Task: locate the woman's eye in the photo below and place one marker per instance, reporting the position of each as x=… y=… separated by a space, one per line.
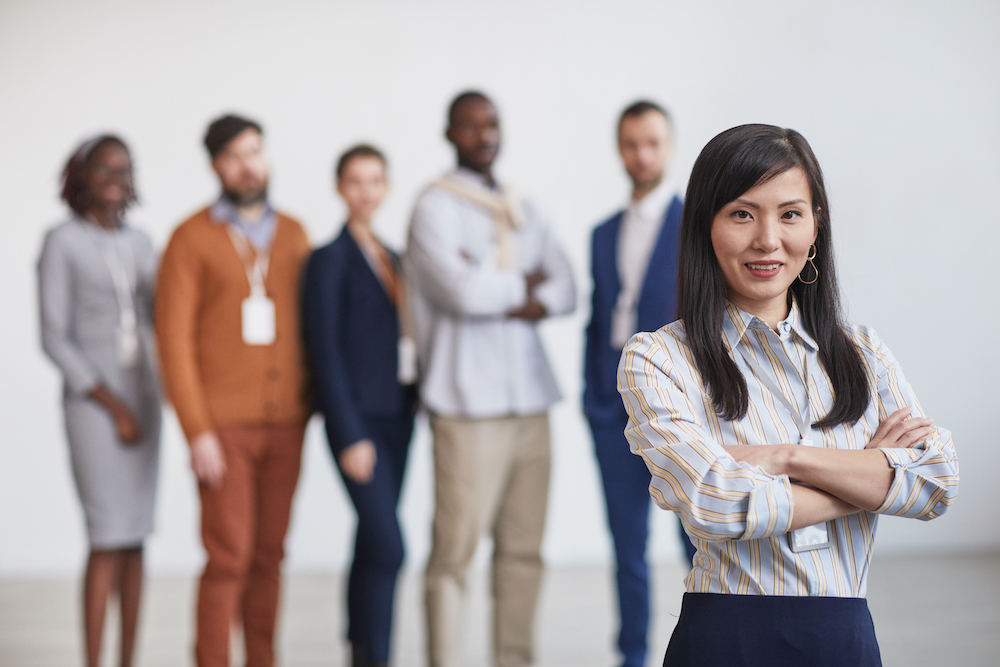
x=791 y=215
x=741 y=215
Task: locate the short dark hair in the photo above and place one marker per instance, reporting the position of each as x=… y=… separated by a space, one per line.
x=223 y=129
x=360 y=150
x=73 y=188
x=730 y=164
x=640 y=107
x=461 y=99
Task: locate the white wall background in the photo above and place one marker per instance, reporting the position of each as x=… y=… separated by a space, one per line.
x=899 y=101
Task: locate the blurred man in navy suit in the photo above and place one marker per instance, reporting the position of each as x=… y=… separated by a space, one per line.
x=634 y=264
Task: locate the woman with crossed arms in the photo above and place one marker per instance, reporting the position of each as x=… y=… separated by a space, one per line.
x=776 y=432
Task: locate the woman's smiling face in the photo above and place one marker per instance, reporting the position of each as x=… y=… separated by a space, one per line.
x=109 y=176
x=761 y=241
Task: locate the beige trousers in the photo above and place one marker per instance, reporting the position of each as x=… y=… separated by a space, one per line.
x=489 y=475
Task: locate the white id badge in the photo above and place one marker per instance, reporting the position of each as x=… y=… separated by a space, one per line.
x=258 y=320
x=407 y=371
x=128 y=340
x=811 y=537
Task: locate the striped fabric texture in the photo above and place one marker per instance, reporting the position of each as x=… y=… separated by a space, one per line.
x=738 y=515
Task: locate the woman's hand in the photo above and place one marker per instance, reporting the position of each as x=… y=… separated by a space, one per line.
x=128 y=428
x=897 y=431
x=859 y=478
x=358 y=461
x=126 y=424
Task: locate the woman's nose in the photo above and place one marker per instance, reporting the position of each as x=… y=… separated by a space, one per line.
x=767 y=237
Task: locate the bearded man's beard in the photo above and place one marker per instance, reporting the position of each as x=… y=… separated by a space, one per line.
x=247 y=198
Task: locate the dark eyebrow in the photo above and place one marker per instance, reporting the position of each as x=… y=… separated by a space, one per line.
x=750 y=204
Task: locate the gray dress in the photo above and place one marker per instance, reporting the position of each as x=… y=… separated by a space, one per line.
x=80 y=324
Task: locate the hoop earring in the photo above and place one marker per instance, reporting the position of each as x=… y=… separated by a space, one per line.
x=810 y=258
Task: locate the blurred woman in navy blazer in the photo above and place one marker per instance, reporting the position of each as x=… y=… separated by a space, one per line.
x=363 y=372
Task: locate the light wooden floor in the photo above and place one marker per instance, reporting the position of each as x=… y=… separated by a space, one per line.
x=928 y=611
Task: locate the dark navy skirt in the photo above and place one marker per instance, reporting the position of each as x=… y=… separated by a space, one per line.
x=749 y=630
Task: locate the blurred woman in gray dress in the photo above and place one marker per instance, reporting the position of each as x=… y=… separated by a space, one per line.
x=96 y=278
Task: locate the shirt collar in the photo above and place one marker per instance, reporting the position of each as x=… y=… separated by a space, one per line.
x=471 y=177
x=224 y=210
x=736 y=321
x=90 y=224
x=653 y=206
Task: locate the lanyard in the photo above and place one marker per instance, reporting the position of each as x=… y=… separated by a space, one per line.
x=381 y=264
x=809 y=537
x=124 y=291
x=256 y=268
x=802 y=416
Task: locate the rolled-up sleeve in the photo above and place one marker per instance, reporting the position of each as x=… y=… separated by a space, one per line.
x=715 y=497
x=925 y=480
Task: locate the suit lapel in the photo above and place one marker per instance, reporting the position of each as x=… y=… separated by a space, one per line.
x=361 y=266
x=606 y=258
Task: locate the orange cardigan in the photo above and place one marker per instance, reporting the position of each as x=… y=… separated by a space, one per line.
x=212 y=377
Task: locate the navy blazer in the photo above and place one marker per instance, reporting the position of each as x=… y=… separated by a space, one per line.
x=351 y=331
x=657 y=306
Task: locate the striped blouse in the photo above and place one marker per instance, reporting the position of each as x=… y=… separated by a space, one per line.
x=738 y=515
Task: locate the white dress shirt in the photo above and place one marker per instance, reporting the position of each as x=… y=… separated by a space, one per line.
x=474 y=360
x=637 y=237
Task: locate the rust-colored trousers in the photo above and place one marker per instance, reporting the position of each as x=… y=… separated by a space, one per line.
x=243 y=526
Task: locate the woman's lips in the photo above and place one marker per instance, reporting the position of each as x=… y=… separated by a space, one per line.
x=764 y=269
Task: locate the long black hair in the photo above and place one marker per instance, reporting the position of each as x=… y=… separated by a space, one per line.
x=730 y=164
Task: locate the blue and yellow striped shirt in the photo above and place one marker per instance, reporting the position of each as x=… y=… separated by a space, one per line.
x=737 y=514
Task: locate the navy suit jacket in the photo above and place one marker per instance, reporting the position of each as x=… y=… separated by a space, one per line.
x=657 y=306
x=351 y=330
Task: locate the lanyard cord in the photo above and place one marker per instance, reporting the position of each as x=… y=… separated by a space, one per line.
x=257 y=268
x=808 y=537
x=802 y=416
x=124 y=291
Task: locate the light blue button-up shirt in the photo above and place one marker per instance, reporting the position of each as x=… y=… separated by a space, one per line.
x=260 y=233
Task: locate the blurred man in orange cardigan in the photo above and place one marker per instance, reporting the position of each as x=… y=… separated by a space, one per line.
x=227 y=321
